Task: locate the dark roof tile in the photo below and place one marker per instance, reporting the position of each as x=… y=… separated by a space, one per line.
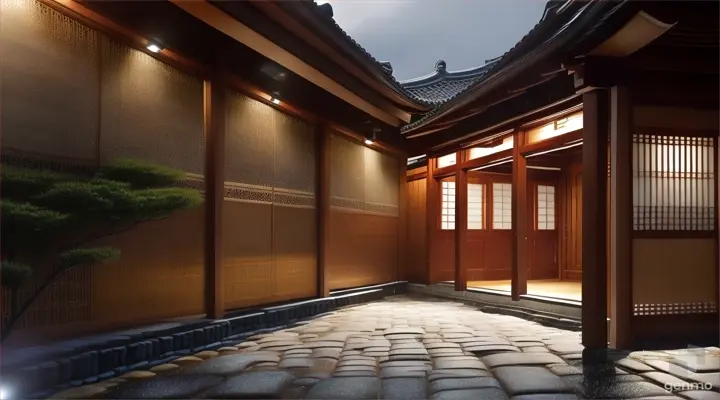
x=442 y=85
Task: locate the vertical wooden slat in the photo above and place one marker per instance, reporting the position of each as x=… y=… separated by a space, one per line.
x=620 y=219
x=214 y=133
x=461 y=226
x=518 y=284
x=432 y=209
x=402 y=220
x=594 y=285
x=322 y=200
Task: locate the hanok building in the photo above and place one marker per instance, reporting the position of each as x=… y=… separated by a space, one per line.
x=583 y=160
x=580 y=169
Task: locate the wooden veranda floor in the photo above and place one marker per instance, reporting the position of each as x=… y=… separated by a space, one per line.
x=566 y=290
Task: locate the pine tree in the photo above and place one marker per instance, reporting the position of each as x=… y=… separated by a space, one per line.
x=51 y=219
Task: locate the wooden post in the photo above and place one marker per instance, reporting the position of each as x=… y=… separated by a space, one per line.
x=431 y=213
x=402 y=220
x=594 y=223
x=518 y=284
x=214 y=133
x=620 y=218
x=461 y=201
x=322 y=158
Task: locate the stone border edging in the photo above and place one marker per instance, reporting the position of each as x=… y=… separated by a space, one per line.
x=145 y=350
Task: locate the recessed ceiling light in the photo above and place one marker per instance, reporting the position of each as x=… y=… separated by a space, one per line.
x=154 y=47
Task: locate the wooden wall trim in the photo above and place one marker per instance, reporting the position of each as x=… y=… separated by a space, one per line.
x=594 y=221
x=432 y=208
x=214 y=134
x=461 y=226
x=322 y=154
x=402 y=222
x=621 y=307
x=519 y=266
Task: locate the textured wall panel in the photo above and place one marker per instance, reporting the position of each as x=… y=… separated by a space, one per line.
x=294 y=253
x=363 y=249
x=294 y=155
x=347 y=173
x=159 y=274
x=248 y=270
x=249 y=141
x=416 y=231
x=49 y=82
x=150 y=110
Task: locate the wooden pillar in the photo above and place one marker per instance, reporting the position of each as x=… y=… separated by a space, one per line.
x=214 y=133
x=461 y=201
x=432 y=206
x=402 y=220
x=518 y=285
x=322 y=204
x=620 y=218
x=594 y=224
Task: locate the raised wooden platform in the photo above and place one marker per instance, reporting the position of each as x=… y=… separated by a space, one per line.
x=552 y=289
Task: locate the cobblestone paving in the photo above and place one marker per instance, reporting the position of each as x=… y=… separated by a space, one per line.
x=408 y=349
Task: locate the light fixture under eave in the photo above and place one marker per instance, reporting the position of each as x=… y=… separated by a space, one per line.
x=369 y=141
x=275 y=97
x=154 y=47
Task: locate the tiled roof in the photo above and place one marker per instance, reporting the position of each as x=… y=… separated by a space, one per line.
x=442 y=85
x=550 y=26
x=324 y=11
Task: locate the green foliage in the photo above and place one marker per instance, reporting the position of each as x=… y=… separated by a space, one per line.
x=87 y=256
x=48 y=217
x=13 y=274
x=20 y=217
x=18 y=183
x=140 y=174
x=158 y=203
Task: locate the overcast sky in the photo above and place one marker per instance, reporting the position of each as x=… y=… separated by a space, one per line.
x=414 y=34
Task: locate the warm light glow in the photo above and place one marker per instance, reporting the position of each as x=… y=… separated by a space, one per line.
x=478 y=152
x=154 y=47
x=368 y=142
x=446 y=161
x=558 y=127
x=275 y=101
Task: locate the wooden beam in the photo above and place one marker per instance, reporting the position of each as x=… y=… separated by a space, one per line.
x=594 y=226
x=402 y=220
x=482 y=161
x=214 y=134
x=211 y=15
x=518 y=284
x=416 y=176
x=621 y=128
x=322 y=154
x=445 y=171
x=461 y=201
x=552 y=143
x=432 y=207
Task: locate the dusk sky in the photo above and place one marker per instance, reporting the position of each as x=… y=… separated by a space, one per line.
x=414 y=34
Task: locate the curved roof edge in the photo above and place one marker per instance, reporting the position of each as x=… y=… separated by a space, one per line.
x=441 y=73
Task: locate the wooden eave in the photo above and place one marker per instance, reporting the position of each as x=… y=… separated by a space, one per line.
x=293 y=53
x=308 y=26
x=209 y=52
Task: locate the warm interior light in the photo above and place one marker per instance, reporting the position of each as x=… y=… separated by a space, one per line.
x=477 y=152
x=368 y=142
x=446 y=161
x=558 y=127
x=275 y=101
x=154 y=47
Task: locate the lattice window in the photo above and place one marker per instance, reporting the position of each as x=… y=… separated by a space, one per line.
x=674 y=308
x=476 y=205
x=545 y=208
x=673 y=183
x=502 y=206
x=448 y=205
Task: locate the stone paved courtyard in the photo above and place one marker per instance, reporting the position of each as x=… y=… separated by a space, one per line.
x=409 y=349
